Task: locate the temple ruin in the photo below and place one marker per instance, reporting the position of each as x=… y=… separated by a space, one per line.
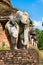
x=5 y=10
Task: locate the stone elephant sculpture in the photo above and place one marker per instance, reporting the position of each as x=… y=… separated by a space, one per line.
x=18 y=26
x=13 y=30
x=23 y=22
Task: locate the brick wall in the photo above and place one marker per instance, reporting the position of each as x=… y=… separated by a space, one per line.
x=3 y=37
x=19 y=57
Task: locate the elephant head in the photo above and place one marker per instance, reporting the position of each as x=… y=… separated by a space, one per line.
x=22 y=16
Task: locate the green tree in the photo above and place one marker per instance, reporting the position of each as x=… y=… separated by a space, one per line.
x=42 y=23
x=40 y=40
x=39 y=34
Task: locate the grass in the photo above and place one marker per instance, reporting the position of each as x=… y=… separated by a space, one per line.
x=40 y=64
x=39 y=51
x=4 y=48
x=40 y=54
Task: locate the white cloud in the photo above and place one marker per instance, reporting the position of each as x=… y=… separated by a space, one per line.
x=42 y=18
x=41 y=0
x=38 y=24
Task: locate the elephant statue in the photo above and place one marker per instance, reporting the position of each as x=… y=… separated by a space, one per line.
x=18 y=27
x=23 y=22
x=13 y=30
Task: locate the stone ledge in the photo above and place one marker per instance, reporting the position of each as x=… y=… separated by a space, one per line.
x=19 y=57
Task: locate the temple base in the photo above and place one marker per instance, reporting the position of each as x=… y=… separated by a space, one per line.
x=19 y=57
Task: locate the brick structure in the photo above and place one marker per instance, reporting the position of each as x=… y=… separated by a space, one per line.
x=3 y=37
x=19 y=57
x=13 y=57
x=5 y=10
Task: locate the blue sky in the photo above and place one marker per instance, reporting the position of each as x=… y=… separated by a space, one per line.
x=33 y=7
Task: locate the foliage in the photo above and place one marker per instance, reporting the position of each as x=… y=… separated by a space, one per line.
x=39 y=34
x=3 y=47
x=3 y=43
x=42 y=23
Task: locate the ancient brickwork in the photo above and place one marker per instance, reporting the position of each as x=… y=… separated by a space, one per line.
x=19 y=57
x=3 y=37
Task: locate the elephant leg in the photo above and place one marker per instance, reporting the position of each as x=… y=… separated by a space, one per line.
x=26 y=40
x=14 y=43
